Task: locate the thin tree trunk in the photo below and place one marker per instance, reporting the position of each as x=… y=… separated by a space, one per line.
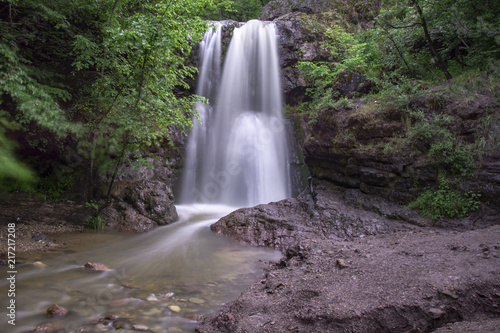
x=90 y=190
x=439 y=60
x=401 y=55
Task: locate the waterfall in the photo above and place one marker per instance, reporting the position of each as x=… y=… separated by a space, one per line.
x=237 y=153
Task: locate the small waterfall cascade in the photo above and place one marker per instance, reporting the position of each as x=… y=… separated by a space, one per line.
x=238 y=153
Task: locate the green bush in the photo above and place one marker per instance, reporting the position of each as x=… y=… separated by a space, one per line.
x=95 y=221
x=444 y=148
x=445 y=201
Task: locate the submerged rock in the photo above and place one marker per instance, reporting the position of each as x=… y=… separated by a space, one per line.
x=96 y=267
x=39 y=264
x=174 y=308
x=54 y=327
x=56 y=311
x=196 y=300
x=142 y=328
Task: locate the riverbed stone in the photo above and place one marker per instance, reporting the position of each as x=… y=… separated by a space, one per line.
x=196 y=300
x=96 y=267
x=56 y=311
x=174 y=308
x=53 y=327
x=39 y=264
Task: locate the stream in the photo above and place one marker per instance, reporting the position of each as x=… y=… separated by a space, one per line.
x=166 y=280
x=169 y=279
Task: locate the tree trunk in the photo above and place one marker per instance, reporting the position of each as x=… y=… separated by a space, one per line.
x=432 y=48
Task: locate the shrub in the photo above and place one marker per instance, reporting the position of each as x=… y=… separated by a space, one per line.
x=445 y=202
x=95 y=221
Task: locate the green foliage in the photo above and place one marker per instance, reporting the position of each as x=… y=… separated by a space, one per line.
x=107 y=73
x=139 y=60
x=444 y=148
x=238 y=10
x=397 y=52
x=95 y=221
x=445 y=201
x=354 y=52
x=464 y=33
x=457 y=157
x=53 y=186
x=11 y=170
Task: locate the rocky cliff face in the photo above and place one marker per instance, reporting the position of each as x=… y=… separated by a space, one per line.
x=302 y=25
x=368 y=149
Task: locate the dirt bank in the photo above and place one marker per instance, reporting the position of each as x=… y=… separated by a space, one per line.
x=345 y=272
x=40 y=226
x=397 y=282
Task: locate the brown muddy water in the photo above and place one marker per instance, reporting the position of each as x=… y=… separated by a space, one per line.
x=166 y=280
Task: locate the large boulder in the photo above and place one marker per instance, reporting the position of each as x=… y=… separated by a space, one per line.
x=141 y=197
x=322 y=208
x=350 y=84
x=140 y=205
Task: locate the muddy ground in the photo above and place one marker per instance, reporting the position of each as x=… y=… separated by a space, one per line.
x=40 y=226
x=352 y=270
x=409 y=281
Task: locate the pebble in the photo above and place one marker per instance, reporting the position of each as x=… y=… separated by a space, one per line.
x=56 y=311
x=341 y=263
x=174 y=308
x=152 y=312
x=174 y=330
x=39 y=264
x=196 y=300
x=140 y=328
x=49 y=328
x=436 y=313
x=448 y=293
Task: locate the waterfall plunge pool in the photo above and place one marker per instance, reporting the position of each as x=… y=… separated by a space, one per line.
x=166 y=280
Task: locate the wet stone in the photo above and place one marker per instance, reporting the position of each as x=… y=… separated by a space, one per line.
x=96 y=267
x=39 y=264
x=196 y=300
x=129 y=286
x=174 y=330
x=195 y=317
x=120 y=324
x=142 y=328
x=49 y=328
x=56 y=311
x=174 y=308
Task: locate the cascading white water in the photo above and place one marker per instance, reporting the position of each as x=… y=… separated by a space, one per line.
x=210 y=72
x=238 y=154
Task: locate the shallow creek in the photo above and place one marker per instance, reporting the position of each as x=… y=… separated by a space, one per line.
x=166 y=280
